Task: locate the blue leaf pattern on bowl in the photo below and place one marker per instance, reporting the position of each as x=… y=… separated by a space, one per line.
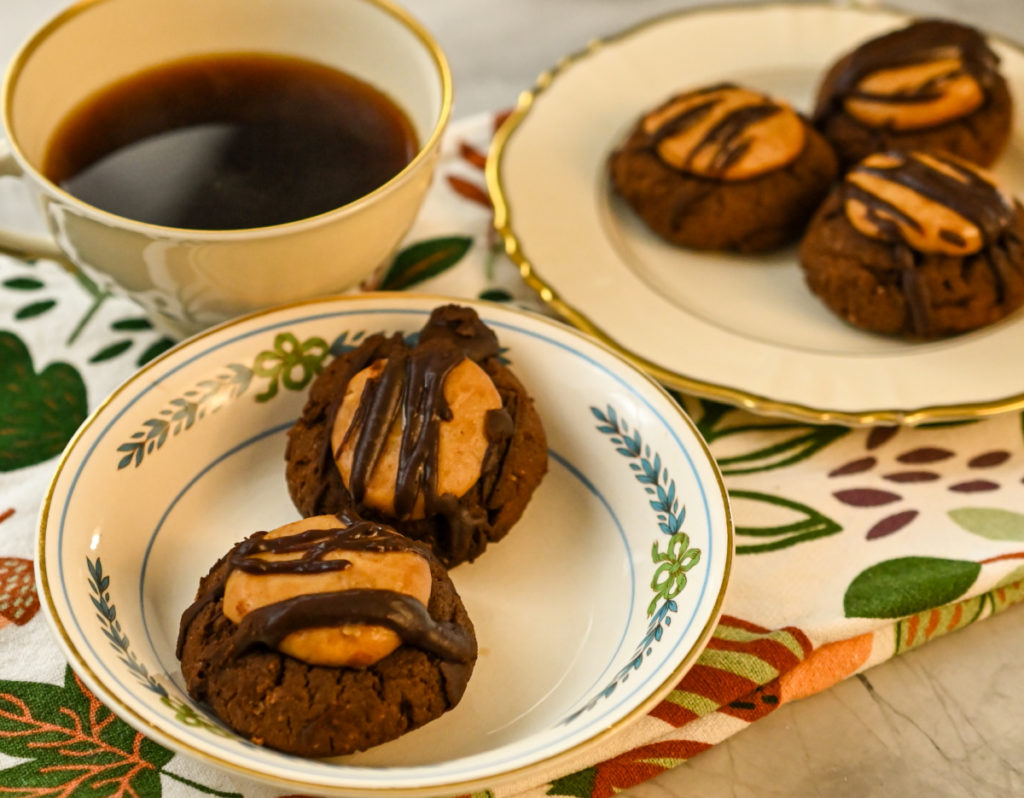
x=678 y=557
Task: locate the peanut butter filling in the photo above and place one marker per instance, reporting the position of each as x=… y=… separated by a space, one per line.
x=725 y=132
x=931 y=203
x=915 y=96
x=345 y=645
x=462 y=440
x=926 y=74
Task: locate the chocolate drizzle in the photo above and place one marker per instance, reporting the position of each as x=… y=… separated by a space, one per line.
x=729 y=136
x=919 y=43
x=956 y=187
x=965 y=192
x=404 y=615
x=373 y=348
x=271 y=623
x=687 y=119
x=315 y=544
x=412 y=384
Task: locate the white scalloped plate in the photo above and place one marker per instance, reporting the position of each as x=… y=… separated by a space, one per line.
x=741 y=329
x=581 y=628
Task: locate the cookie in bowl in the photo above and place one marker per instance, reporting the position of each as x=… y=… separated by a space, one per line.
x=917 y=244
x=437 y=438
x=327 y=636
x=724 y=168
x=933 y=85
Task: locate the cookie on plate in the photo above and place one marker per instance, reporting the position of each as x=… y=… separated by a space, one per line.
x=437 y=438
x=327 y=636
x=724 y=168
x=933 y=85
x=917 y=244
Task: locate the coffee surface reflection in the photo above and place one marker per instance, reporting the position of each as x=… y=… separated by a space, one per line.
x=230 y=141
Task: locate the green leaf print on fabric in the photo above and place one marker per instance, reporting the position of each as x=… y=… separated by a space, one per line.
x=807 y=523
x=111 y=351
x=798 y=443
x=75 y=746
x=424 y=260
x=27 y=285
x=23 y=284
x=495 y=295
x=158 y=347
x=132 y=324
x=990 y=522
x=908 y=585
x=774 y=444
x=38 y=412
x=117 y=348
x=34 y=309
x=577 y=785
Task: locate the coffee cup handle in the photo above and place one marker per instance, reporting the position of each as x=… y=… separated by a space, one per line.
x=23 y=245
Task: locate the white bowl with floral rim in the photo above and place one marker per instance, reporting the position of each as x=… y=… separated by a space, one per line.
x=587 y=614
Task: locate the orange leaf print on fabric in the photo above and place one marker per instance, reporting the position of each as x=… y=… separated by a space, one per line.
x=740 y=658
x=18 y=599
x=825 y=667
x=763 y=700
x=472 y=155
x=470 y=191
x=640 y=764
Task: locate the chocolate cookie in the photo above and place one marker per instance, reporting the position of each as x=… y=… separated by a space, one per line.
x=917 y=244
x=439 y=440
x=931 y=86
x=724 y=168
x=327 y=636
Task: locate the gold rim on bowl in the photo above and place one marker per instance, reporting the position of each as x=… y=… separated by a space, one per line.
x=166 y=736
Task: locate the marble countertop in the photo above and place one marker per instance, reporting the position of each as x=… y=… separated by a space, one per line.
x=941 y=720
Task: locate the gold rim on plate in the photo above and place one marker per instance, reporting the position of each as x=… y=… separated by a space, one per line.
x=677 y=380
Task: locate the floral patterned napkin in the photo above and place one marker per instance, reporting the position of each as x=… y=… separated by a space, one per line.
x=852 y=545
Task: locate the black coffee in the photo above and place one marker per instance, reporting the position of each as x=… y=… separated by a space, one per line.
x=230 y=141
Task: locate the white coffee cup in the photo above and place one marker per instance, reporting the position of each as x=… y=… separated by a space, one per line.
x=190 y=279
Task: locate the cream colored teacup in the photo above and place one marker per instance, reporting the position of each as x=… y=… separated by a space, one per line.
x=190 y=279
